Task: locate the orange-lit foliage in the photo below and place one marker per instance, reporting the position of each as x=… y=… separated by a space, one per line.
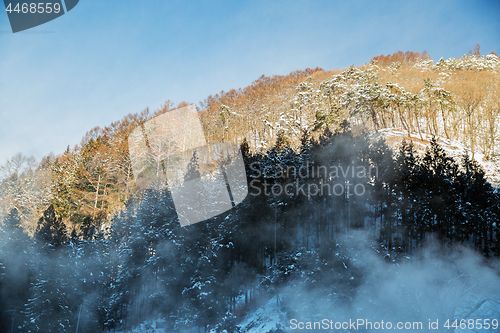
x=264 y=85
x=476 y=51
x=255 y=104
x=401 y=57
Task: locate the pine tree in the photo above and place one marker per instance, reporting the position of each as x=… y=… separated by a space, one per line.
x=479 y=202
x=51 y=230
x=406 y=184
x=438 y=173
x=193 y=168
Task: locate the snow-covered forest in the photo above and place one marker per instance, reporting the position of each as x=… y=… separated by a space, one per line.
x=338 y=224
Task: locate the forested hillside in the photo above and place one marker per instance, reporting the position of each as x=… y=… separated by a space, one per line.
x=454 y=99
x=335 y=221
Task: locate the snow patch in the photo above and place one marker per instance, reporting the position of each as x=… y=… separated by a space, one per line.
x=394 y=136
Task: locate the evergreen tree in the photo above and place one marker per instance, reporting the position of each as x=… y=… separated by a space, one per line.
x=406 y=183
x=438 y=173
x=479 y=205
x=51 y=230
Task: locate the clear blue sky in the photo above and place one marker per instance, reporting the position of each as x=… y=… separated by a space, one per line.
x=107 y=58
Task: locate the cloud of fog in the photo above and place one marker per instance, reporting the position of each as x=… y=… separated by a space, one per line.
x=436 y=283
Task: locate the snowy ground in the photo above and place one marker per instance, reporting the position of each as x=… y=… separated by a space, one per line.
x=264 y=319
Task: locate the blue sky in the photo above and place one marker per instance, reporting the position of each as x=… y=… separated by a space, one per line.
x=107 y=58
